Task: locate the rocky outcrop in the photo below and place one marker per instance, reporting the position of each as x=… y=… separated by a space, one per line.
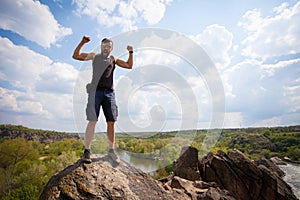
x=104 y=179
x=198 y=189
x=270 y=164
x=217 y=176
x=242 y=178
x=277 y=161
x=187 y=165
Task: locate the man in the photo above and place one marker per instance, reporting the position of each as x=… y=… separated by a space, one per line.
x=101 y=91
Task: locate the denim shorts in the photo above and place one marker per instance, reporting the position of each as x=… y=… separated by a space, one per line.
x=104 y=98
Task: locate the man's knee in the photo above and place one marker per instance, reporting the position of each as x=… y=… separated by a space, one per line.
x=92 y=123
x=110 y=123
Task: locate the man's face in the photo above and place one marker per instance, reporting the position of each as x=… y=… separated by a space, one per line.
x=106 y=48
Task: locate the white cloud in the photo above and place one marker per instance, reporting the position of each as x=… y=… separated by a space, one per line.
x=216 y=40
x=274 y=35
x=35 y=86
x=263 y=92
x=18 y=102
x=156 y=57
x=21 y=66
x=233 y=120
x=56 y=75
x=152 y=11
x=28 y=70
x=123 y=13
x=32 y=20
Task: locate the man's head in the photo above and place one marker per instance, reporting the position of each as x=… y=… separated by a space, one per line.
x=106 y=46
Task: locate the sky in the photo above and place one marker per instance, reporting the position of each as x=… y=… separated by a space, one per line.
x=197 y=63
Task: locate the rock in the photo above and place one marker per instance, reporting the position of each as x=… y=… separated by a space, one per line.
x=277 y=161
x=227 y=173
x=290 y=160
x=275 y=187
x=187 y=165
x=196 y=190
x=103 y=179
x=215 y=194
x=187 y=186
x=271 y=166
x=242 y=178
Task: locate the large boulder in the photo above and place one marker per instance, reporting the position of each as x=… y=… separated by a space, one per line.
x=187 y=166
x=104 y=179
x=243 y=178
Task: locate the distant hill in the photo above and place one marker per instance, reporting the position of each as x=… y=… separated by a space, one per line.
x=8 y=131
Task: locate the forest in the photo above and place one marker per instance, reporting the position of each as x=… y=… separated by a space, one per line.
x=27 y=164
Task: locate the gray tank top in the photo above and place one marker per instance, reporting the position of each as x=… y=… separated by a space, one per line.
x=103 y=69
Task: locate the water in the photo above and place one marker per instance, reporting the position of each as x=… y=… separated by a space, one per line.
x=292 y=177
x=145 y=164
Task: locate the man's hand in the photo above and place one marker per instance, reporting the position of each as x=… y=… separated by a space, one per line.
x=85 y=39
x=129 y=48
x=78 y=55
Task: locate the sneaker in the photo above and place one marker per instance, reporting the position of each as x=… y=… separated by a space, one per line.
x=113 y=155
x=87 y=156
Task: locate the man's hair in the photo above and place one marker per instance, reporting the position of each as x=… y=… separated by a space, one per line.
x=104 y=40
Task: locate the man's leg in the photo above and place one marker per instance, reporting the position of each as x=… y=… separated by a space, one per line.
x=89 y=133
x=111 y=134
x=110 y=111
x=111 y=140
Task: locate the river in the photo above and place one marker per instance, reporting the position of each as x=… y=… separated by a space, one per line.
x=144 y=164
x=292 y=177
x=292 y=171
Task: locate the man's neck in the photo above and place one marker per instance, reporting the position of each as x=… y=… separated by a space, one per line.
x=104 y=55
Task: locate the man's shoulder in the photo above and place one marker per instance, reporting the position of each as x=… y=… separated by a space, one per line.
x=112 y=58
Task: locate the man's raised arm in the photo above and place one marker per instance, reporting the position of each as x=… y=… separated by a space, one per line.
x=128 y=64
x=78 y=55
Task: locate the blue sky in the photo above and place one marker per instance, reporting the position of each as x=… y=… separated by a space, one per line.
x=254 y=45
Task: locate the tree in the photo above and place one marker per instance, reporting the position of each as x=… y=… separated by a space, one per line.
x=12 y=154
x=27 y=192
x=14 y=151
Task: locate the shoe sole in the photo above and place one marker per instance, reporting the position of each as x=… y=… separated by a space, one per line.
x=86 y=160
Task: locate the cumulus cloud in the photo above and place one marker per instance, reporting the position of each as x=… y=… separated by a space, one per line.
x=261 y=95
x=32 y=20
x=123 y=13
x=19 y=102
x=38 y=86
x=28 y=70
x=271 y=36
x=216 y=40
x=263 y=89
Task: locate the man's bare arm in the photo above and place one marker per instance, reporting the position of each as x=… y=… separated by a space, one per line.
x=128 y=64
x=78 y=55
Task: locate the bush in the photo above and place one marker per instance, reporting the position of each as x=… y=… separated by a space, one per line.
x=27 y=192
x=294 y=153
